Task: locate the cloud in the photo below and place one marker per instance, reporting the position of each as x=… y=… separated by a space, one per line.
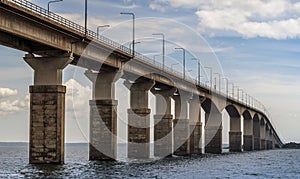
x=276 y=19
x=5 y=92
x=12 y=106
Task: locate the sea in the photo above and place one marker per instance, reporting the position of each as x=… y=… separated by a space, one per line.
x=280 y=163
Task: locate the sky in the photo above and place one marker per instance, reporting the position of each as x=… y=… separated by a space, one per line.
x=252 y=43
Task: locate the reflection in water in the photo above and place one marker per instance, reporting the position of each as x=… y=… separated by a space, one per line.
x=262 y=164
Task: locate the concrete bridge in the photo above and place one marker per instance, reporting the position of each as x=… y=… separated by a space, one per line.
x=53 y=42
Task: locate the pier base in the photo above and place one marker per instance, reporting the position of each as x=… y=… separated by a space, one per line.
x=47 y=122
x=181 y=137
x=103 y=130
x=235 y=141
x=139 y=134
x=248 y=143
x=163 y=135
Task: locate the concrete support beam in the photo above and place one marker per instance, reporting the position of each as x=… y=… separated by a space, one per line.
x=213 y=132
x=163 y=122
x=195 y=126
x=47 y=109
x=262 y=136
x=103 y=115
x=248 y=135
x=235 y=135
x=181 y=126
x=139 y=119
x=256 y=133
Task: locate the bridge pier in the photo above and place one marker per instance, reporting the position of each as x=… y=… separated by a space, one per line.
x=195 y=126
x=181 y=126
x=103 y=115
x=213 y=132
x=235 y=134
x=256 y=133
x=268 y=138
x=248 y=134
x=139 y=119
x=47 y=109
x=262 y=135
x=163 y=122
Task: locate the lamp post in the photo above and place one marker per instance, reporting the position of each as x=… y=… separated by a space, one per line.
x=210 y=68
x=219 y=80
x=173 y=65
x=183 y=50
x=226 y=79
x=98 y=29
x=133 y=30
x=163 y=48
x=50 y=2
x=85 y=18
x=130 y=44
x=199 y=72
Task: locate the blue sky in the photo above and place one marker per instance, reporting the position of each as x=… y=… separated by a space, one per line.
x=257 y=45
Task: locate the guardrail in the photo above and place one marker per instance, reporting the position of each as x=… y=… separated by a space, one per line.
x=114 y=45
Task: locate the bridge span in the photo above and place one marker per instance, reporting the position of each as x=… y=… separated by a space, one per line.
x=53 y=42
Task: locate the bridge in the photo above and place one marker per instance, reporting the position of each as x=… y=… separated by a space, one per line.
x=53 y=42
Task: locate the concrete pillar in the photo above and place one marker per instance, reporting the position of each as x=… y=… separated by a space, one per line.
x=163 y=122
x=262 y=135
x=181 y=127
x=139 y=119
x=103 y=115
x=213 y=132
x=248 y=135
x=195 y=126
x=47 y=109
x=235 y=134
x=256 y=133
x=268 y=138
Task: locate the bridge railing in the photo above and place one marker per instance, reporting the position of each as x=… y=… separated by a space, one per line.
x=78 y=28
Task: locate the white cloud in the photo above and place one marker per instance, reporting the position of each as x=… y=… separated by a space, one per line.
x=5 y=92
x=275 y=19
x=12 y=106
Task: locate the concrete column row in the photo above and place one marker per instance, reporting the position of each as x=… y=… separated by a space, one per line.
x=47 y=106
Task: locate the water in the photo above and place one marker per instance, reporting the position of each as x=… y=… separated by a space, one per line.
x=261 y=164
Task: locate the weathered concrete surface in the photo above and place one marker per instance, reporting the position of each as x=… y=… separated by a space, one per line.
x=195 y=126
x=103 y=130
x=235 y=134
x=163 y=122
x=256 y=133
x=248 y=143
x=235 y=141
x=181 y=126
x=163 y=135
x=248 y=133
x=213 y=132
x=139 y=119
x=139 y=134
x=47 y=123
x=103 y=115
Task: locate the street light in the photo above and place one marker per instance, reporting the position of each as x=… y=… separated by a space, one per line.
x=183 y=50
x=98 y=29
x=219 y=81
x=163 y=37
x=130 y=44
x=133 y=30
x=173 y=65
x=85 y=18
x=210 y=68
x=199 y=72
x=226 y=79
x=52 y=2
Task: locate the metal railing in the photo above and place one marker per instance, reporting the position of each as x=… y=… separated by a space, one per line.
x=114 y=45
